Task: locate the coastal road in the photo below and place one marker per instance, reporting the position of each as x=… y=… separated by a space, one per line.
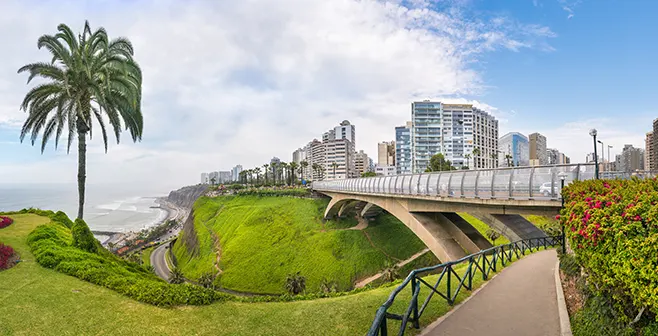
x=158 y=260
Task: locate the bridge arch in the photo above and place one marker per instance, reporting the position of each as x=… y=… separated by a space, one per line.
x=436 y=238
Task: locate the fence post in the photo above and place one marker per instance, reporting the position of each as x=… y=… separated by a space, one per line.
x=484 y=266
x=414 y=284
x=448 y=291
x=470 y=273
x=383 y=329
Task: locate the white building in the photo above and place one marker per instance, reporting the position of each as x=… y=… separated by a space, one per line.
x=339 y=151
x=235 y=173
x=386 y=153
x=385 y=170
x=515 y=145
x=205 y=179
x=361 y=163
x=455 y=130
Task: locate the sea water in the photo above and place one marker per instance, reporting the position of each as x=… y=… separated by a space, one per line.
x=110 y=208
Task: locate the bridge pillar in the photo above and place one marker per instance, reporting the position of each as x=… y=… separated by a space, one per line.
x=513 y=227
x=468 y=237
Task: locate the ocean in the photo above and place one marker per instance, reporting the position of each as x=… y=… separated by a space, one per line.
x=111 y=208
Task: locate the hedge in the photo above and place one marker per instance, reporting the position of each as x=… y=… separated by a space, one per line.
x=612 y=226
x=6 y=252
x=5 y=221
x=52 y=246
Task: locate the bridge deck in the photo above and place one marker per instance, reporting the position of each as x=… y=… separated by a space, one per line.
x=521 y=300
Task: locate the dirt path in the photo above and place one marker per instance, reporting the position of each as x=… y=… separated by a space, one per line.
x=215 y=240
x=370 y=279
x=363 y=224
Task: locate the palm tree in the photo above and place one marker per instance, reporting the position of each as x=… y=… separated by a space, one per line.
x=508 y=158
x=476 y=153
x=265 y=167
x=257 y=171
x=212 y=180
x=468 y=160
x=89 y=77
x=284 y=169
x=293 y=168
x=303 y=166
x=334 y=165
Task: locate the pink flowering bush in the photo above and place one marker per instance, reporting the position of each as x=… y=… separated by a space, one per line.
x=5 y=221
x=6 y=252
x=612 y=226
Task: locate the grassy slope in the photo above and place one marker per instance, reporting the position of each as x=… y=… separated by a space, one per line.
x=389 y=234
x=482 y=227
x=40 y=301
x=263 y=239
x=146 y=256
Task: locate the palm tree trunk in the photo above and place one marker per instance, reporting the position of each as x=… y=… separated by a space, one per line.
x=82 y=171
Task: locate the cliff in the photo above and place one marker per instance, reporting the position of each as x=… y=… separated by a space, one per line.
x=186 y=196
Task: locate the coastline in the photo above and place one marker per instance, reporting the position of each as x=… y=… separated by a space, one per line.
x=171 y=212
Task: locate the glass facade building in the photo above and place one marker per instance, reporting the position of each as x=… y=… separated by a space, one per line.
x=403 y=149
x=517 y=146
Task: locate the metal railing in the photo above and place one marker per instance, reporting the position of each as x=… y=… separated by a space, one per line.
x=540 y=182
x=450 y=283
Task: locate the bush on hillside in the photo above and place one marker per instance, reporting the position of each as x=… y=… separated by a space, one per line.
x=295 y=283
x=5 y=221
x=6 y=253
x=266 y=192
x=82 y=237
x=51 y=246
x=612 y=226
x=62 y=218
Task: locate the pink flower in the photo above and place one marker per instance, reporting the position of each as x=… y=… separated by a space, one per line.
x=608 y=204
x=557 y=217
x=638 y=218
x=588 y=199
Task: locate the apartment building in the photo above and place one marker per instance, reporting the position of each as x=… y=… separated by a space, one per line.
x=517 y=146
x=403 y=148
x=538 y=150
x=361 y=163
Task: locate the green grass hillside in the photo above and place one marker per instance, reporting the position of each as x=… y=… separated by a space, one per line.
x=263 y=239
x=41 y=301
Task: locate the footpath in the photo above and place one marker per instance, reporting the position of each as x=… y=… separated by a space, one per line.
x=520 y=300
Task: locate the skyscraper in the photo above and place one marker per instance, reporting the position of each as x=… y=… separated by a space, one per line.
x=515 y=145
x=454 y=130
x=403 y=149
x=340 y=151
x=235 y=173
x=631 y=159
x=386 y=153
x=538 y=153
x=649 y=152
x=654 y=146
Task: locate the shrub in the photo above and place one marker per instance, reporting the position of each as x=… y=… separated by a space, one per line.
x=51 y=246
x=62 y=218
x=492 y=235
x=83 y=238
x=327 y=286
x=569 y=264
x=5 y=221
x=6 y=252
x=176 y=276
x=295 y=283
x=612 y=226
x=206 y=280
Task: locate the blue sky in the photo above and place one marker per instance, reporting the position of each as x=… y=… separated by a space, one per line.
x=231 y=82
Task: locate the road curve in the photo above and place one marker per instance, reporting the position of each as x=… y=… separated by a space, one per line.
x=159 y=263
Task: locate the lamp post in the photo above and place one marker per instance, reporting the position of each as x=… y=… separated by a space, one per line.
x=603 y=155
x=609 y=157
x=562 y=177
x=592 y=132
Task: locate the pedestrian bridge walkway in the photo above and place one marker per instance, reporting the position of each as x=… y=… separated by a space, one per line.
x=521 y=300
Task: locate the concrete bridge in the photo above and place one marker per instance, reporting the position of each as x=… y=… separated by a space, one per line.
x=428 y=203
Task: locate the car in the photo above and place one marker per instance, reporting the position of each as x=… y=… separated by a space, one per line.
x=545 y=189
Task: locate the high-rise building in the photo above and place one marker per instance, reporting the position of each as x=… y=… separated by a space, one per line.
x=205 y=178
x=224 y=176
x=515 y=145
x=590 y=158
x=654 y=146
x=299 y=155
x=316 y=164
x=403 y=148
x=235 y=173
x=340 y=151
x=649 y=152
x=386 y=153
x=361 y=163
x=538 y=153
x=454 y=130
x=631 y=159
x=552 y=156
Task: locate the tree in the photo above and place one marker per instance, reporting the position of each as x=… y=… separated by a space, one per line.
x=284 y=169
x=334 y=165
x=265 y=168
x=327 y=286
x=212 y=180
x=492 y=234
x=439 y=163
x=303 y=165
x=476 y=153
x=293 y=169
x=206 y=280
x=468 y=160
x=89 y=77
x=176 y=276
x=257 y=172
x=508 y=158
x=295 y=283
x=368 y=174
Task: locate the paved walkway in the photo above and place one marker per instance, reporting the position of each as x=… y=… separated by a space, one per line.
x=521 y=300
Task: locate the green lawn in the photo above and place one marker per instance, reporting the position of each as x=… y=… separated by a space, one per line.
x=482 y=227
x=146 y=255
x=40 y=301
x=263 y=239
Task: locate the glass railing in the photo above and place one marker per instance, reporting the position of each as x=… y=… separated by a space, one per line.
x=539 y=182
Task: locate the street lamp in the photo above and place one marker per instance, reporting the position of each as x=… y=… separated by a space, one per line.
x=603 y=154
x=592 y=132
x=563 y=176
x=609 y=157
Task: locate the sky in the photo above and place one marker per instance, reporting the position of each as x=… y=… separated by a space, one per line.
x=238 y=82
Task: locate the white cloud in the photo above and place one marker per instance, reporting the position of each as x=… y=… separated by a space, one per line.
x=230 y=82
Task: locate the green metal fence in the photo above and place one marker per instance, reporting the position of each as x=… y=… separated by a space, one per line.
x=485 y=261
